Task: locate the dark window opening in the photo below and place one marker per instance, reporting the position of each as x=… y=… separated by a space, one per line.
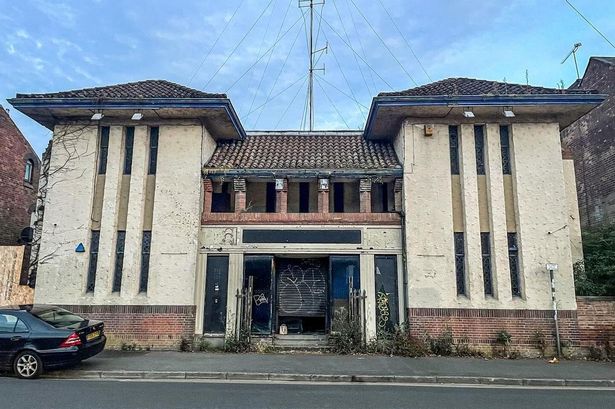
x=29 y=170
x=119 y=261
x=270 y=202
x=460 y=263
x=216 y=284
x=479 y=146
x=345 y=277
x=128 y=148
x=485 y=245
x=146 y=244
x=153 y=150
x=513 y=262
x=382 y=197
x=304 y=197
x=387 y=303
x=338 y=197
x=259 y=271
x=222 y=201
x=104 y=150
x=454 y=149
x=505 y=147
x=91 y=280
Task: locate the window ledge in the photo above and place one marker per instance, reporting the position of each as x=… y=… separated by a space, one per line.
x=301 y=218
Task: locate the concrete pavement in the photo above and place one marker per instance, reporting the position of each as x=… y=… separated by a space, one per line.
x=337 y=368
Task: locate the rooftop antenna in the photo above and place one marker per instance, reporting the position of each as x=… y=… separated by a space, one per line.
x=311 y=54
x=574 y=50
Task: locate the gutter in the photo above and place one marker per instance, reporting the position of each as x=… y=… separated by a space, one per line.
x=479 y=101
x=132 y=103
x=305 y=173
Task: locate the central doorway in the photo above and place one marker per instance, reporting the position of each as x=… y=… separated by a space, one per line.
x=299 y=294
x=302 y=294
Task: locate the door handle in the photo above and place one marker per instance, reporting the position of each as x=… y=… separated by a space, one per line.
x=15 y=338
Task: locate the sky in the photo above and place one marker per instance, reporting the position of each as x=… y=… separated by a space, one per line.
x=256 y=50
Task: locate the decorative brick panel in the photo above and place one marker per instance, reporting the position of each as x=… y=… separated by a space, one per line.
x=365 y=195
x=208 y=193
x=281 y=201
x=147 y=326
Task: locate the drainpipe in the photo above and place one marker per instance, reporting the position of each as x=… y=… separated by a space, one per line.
x=404 y=263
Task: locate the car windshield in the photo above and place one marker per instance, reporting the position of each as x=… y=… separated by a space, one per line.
x=58 y=317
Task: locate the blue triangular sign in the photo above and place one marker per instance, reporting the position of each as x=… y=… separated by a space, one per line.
x=80 y=248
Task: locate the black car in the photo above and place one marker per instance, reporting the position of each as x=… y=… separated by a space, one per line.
x=34 y=338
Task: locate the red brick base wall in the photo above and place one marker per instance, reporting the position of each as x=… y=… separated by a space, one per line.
x=596 y=317
x=146 y=326
x=481 y=326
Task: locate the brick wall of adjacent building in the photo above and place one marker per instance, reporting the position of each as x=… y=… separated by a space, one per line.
x=146 y=326
x=17 y=197
x=592 y=142
x=596 y=317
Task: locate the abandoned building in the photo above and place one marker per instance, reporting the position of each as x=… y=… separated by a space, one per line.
x=168 y=220
x=591 y=143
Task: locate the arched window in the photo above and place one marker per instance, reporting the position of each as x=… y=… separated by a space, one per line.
x=29 y=169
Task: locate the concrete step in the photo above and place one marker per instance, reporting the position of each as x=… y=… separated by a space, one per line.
x=319 y=342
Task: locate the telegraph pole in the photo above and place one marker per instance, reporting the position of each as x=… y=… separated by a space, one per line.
x=311 y=54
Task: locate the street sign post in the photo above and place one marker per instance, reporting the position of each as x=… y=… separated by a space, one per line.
x=552 y=267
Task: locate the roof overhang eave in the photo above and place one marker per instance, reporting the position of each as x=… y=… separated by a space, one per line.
x=302 y=173
x=498 y=101
x=30 y=107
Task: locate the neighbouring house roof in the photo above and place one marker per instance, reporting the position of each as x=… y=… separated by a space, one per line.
x=130 y=90
x=470 y=86
x=606 y=60
x=316 y=151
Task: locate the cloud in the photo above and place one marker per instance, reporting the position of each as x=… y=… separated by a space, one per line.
x=22 y=34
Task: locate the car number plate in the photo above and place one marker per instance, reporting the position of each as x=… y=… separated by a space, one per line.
x=92 y=335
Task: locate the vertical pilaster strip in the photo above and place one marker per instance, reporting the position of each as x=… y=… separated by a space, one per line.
x=281 y=200
x=208 y=190
x=471 y=219
x=135 y=214
x=239 y=187
x=368 y=283
x=235 y=283
x=398 y=190
x=108 y=224
x=365 y=200
x=497 y=214
x=323 y=195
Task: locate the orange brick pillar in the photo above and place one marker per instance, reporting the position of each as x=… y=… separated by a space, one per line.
x=398 y=190
x=323 y=195
x=208 y=189
x=365 y=196
x=239 y=186
x=281 y=196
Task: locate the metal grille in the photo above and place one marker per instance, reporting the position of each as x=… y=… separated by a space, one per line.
x=119 y=261
x=130 y=138
x=95 y=238
x=302 y=288
x=145 y=250
x=153 y=150
x=513 y=261
x=485 y=245
x=479 y=146
x=460 y=264
x=505 y=147
x=454 y=147
x=104 y=150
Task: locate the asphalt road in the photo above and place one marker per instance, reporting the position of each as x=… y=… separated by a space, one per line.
x=67 y=394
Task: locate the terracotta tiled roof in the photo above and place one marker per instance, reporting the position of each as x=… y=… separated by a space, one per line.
x=469 y=86
x=303 y=150
x=140 y=89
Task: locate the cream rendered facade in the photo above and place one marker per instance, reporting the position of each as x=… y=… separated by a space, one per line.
x=405 y=148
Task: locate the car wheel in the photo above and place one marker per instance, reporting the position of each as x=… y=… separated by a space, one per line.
x=28 y=365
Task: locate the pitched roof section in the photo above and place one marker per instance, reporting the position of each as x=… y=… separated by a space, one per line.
x=132 y=90
x=470 y=86
x=303 y=150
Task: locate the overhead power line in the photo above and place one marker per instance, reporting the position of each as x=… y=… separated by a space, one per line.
x=384 y=43
x=332 y=104
x=239 y=43
x=590 y=23
x=275 y=96
x=405 y=40
x=215 y=42
x=264 y=54
x=291 y=102
x=357 y=54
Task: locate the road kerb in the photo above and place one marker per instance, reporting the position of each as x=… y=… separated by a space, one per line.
x=332 y=378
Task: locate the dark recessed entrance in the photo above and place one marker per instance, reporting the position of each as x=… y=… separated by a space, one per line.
x=299 y=295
